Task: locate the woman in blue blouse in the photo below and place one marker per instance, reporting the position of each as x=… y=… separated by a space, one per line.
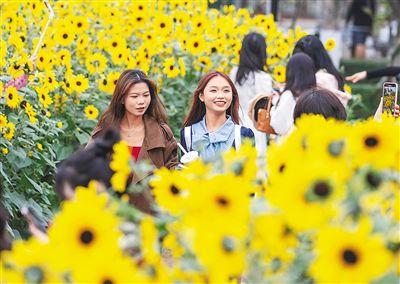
x=212 y=125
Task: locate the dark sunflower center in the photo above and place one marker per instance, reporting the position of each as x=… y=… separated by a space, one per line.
x=50 y=80
x=371 y=141
x=104 y=82
x=350 y=256
x=214 y=49
x=86 y=237
x=373 y=179
x=67 y=84
x=162 y=25
x=115 y=82
x=322 y=189
x=139 y=19
x=78 y=83
x=335 y=148
x=41 y=59
x=196 y=44
x=174 y=190
x=114 y=44
x=282 y=168
x=65 y=36
x=90 y=112
x=10 y=96
x=228 y=244
x=43 y=97
x=22 y=38
x=140 y=7
x=79 y=25
x=107 y=281
x=222 y=201
x=171 y=67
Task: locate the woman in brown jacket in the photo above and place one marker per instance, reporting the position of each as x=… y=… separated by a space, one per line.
x=138 y=113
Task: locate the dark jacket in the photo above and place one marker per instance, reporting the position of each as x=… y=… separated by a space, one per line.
x=160 y=147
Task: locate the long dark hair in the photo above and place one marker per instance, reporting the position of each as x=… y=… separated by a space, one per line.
x=253 y=56
x=313 y=47
x=198 y=108
x=116 y=110
x=300 y=74
x=319 y=101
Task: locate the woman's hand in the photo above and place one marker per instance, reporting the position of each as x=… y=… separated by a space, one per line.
x=357 y=77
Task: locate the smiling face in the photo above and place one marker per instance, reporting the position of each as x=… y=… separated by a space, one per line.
x=137 y=100
x=217 y=95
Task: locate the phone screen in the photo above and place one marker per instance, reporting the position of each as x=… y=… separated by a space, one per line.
x=389 y=97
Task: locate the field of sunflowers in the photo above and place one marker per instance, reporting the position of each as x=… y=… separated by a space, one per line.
x=328 y=212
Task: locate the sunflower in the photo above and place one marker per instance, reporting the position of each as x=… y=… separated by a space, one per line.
x=43 y=95
x=223 y=256
x=196 y=45
x=330 y=44
x=162 y=24
x=109 y=83
x=8 y=131
x=64 y=58
x=374 y=143
x=349 y=256
x=79 y=236
x=315 y=194
x=3 y=121
x=96 y=63
x=82 y=42
x=243 y=162
x=80 y=24
x=12 y=97
x=120 y=165
x=169 y=68
x=203 y=63
x=80 y=84
x=118 y=269
x=280 y=73
x=64 y=36
x=91 y=112
x=42 y=61
x=31 y=113
x=169 y=190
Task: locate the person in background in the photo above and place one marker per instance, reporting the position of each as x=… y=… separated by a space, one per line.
x=212 y=124
x=362 y=12
x=300 y=76
x=251 y=80
x=327 y=75
x=319 y=101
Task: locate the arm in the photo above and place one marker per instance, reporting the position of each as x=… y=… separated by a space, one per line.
x=282 y=114
x=387 y=71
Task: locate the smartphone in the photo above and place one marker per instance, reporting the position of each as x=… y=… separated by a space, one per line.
x=389 y=96
x=32 y=217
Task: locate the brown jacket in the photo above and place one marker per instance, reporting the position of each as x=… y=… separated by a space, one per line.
x=160 y=147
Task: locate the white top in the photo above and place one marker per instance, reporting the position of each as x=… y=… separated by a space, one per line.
x=282 y=113
x=257 y=83
x=328 y=81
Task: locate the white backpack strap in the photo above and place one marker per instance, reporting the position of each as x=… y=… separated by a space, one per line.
x=238 y=137
x=188 y=137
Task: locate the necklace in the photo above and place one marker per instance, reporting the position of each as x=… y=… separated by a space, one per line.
x=128 y=132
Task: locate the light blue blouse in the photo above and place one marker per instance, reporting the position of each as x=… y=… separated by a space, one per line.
x=211 y=144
